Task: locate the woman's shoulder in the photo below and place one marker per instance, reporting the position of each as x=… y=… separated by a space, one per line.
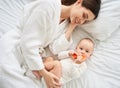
x=43 y=4
x=49 y=8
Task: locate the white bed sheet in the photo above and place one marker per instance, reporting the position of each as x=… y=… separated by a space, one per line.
x=10 y=11
x=103 y=67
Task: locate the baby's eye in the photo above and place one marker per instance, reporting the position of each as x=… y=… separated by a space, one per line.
x=87 y=51
x=81 y=48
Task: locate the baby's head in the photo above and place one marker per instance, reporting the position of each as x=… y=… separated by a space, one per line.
x=86 y=47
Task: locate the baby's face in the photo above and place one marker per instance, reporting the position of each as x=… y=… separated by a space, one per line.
x=85 y=47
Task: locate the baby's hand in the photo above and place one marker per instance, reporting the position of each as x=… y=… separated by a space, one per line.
x=80 y=58
x=73 y=54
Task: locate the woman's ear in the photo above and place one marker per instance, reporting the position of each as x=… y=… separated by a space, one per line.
x=79 y=2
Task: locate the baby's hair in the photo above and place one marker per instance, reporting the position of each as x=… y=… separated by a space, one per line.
x=89 y=39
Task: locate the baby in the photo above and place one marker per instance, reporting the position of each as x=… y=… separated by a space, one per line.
x=71 y=63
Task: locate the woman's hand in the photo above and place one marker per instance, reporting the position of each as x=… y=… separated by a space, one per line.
x=51 y=80
x=69 y=30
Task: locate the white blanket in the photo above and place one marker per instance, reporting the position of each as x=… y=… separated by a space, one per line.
x=103 y=67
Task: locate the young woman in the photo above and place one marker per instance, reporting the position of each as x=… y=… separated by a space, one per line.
x=38 y=28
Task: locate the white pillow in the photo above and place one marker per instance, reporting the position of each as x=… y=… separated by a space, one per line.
x=107 y=22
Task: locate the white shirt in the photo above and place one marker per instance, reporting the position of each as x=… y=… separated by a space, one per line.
x=39 y=28
x=60 y=44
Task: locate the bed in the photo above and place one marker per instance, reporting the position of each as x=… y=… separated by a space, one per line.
x=103 y=67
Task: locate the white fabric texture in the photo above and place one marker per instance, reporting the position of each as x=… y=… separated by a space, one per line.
x=63 y=55
x=56 y=47
x=103 y=67
x=10 y=12
x=107 y=22
x=9 y=42
x=71 y=70
x=38 y=30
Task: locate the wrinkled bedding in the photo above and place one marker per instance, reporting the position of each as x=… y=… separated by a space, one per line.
x=103 y=67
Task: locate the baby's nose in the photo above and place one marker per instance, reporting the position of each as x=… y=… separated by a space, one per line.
x=83 y=51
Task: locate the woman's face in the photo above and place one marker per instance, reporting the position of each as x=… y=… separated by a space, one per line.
x=80 y=15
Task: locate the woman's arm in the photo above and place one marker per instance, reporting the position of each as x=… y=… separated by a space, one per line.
x=69 y=30
x=34 y=36
x=64 y=41
x=60 y=44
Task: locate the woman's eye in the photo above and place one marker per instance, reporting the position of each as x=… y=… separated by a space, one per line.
x=86 y=21
x=85 y=16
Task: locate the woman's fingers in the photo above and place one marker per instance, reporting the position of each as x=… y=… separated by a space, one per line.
x=57 y=84
x=36 y=73
x=57 y=81
x=52 y=81
x=54 y=85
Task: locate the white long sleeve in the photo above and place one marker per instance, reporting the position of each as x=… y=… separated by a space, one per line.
x=60 y=44
x=39 y=20
x=63 y=55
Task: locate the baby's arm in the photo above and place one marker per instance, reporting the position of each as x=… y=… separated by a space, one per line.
x=68 y=53
x=63 y=55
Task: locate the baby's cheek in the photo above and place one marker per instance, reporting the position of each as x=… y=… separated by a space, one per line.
x=83 y=56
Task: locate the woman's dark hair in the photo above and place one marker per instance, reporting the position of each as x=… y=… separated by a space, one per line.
x=93 y=5
x=68 y=2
